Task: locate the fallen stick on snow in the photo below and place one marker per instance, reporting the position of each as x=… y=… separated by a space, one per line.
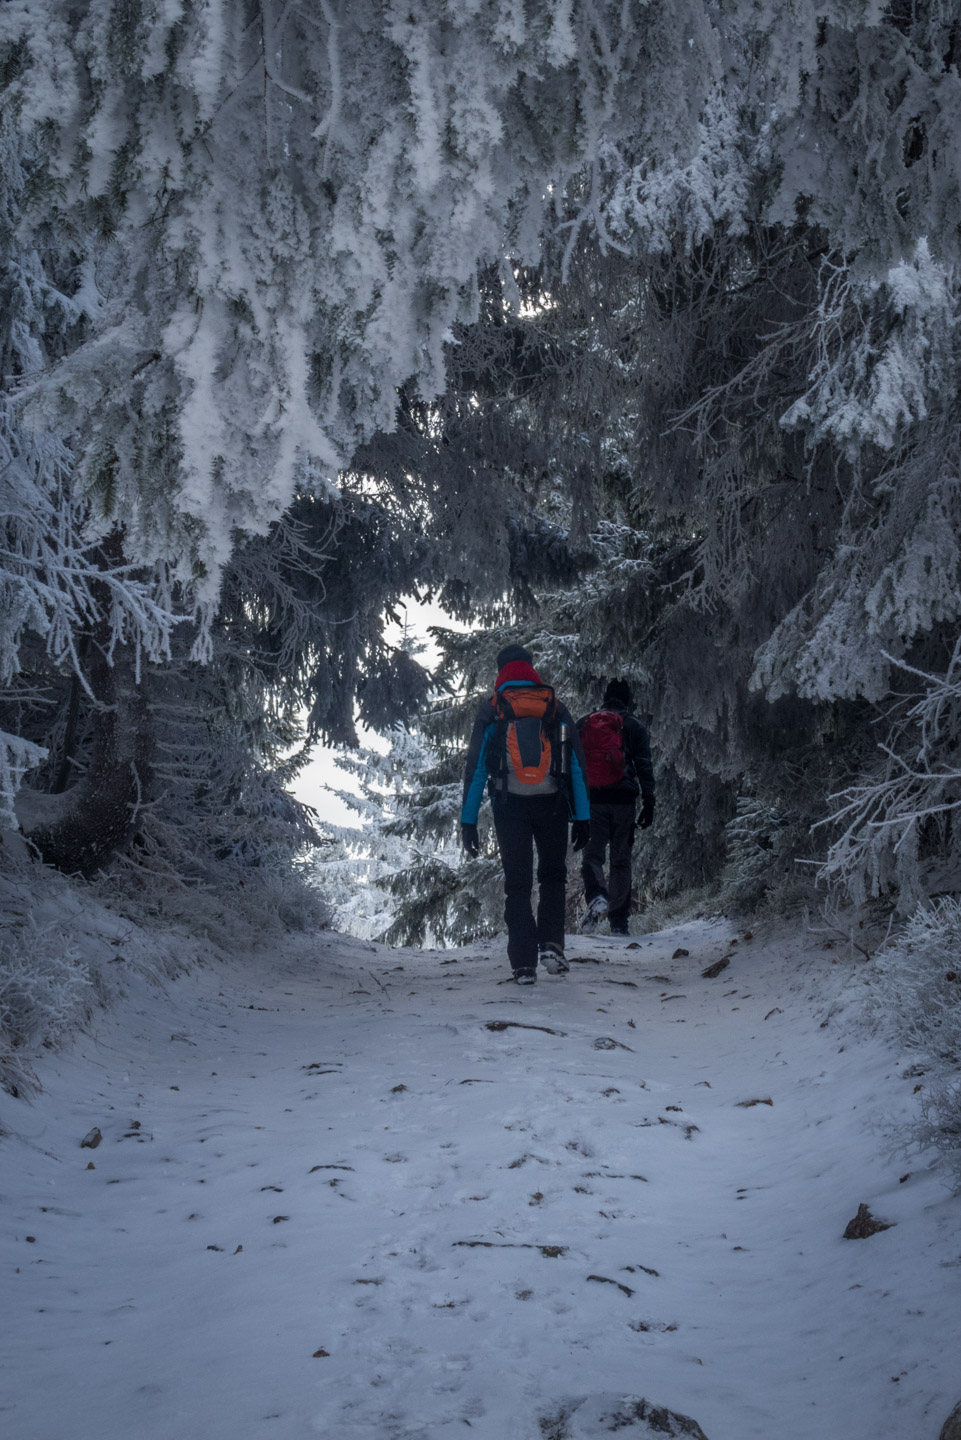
x=519 y=1025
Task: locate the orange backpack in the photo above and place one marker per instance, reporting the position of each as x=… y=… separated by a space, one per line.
x=525 y=746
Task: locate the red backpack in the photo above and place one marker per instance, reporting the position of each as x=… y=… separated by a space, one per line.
x=602 y=737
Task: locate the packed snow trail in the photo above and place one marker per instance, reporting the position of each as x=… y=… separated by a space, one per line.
x=368 y=1194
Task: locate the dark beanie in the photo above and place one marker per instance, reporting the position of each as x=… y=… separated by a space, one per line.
x=513 y=652
x=618 y=692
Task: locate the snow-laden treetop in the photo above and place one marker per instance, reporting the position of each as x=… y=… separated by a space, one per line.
x=257 y=218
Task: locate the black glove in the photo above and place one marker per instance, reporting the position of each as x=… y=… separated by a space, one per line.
x=470 y=839
x=647 y=814
x=580 y=833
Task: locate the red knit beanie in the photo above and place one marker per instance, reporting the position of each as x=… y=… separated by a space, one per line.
x=517 y=670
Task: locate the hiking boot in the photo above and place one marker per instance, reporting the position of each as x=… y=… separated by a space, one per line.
x=619 y=928
x=594 y=914
x=525 y=976
x=553 y=960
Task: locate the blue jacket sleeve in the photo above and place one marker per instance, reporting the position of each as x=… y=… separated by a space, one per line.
x=580 y=799
x=475 y=769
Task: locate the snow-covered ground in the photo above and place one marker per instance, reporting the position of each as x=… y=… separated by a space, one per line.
x=365 y=1194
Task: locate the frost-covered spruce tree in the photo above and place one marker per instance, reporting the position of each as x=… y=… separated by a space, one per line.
x=915 y=997
x=370 y=869
x=351 y=860
x=74 y=613
x=790 y=450
x=801 y=440
x=293 y=644
x=257 y=221
x=729 y=518
x=277 y=214
x=438 y=896
x=277 y=211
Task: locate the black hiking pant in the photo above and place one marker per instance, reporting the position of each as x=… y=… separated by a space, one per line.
x=612 y=829
x=523 y=825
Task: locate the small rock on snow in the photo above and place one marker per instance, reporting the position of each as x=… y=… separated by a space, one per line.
x=863 y=1225
x=586 y=1419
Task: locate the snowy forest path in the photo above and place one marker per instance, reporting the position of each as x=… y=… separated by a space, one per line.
x=385 y=1195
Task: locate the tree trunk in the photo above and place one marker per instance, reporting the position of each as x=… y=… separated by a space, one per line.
x=100 y=812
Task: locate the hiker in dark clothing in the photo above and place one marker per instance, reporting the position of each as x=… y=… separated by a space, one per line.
x=524 y=748
x=619 y=769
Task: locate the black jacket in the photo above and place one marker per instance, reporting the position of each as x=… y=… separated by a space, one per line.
x=639 y=772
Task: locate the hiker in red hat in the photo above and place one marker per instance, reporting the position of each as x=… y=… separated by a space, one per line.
x=525 y=749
